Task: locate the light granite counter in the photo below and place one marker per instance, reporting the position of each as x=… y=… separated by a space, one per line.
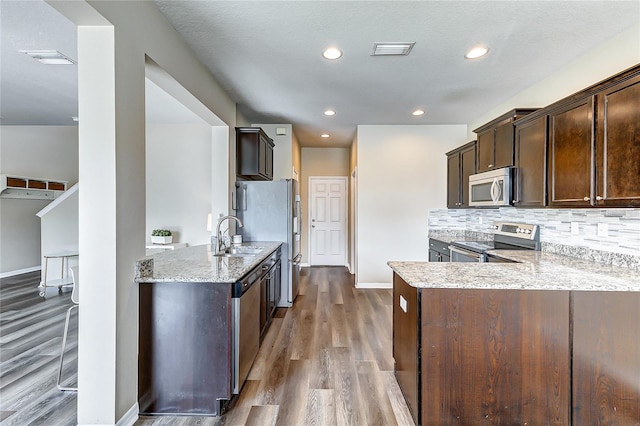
x=537 y=271
x=198 y=264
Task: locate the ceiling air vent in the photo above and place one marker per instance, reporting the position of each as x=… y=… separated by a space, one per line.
x=388 y=49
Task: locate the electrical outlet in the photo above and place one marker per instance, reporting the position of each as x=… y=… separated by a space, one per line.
x=603 y=230
x=575 y=228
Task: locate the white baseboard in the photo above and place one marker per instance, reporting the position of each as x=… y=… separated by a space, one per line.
x=374 y=285
x=304 y=265
x=130 y=417
x=20 y=271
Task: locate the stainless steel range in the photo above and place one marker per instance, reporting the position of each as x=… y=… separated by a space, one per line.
x=506 y=236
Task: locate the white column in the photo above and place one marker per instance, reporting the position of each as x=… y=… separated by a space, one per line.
x=97 y=226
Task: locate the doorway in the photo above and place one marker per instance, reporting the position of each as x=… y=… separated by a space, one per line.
x=327 y=220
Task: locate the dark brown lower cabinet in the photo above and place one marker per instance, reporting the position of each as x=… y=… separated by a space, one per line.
x=495 y=357
x=184 y=358
x=517 y=357
x=606 y=358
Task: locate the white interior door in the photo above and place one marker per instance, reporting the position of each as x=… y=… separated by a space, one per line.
x=328 y=220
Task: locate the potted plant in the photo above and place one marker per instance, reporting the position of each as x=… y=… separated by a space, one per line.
x=161 y=236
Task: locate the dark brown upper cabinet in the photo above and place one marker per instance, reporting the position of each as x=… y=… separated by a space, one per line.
x=496 y=141
x=571 y=143
x=254 y=154
x=531 y=161
x=617 y=172
x=461 y=163
x=594 y=145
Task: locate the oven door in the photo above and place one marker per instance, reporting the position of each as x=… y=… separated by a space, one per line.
x=460 y=255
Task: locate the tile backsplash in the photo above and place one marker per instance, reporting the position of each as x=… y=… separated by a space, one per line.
x=622 y=225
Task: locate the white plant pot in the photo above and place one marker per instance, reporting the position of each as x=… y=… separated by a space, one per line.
x=161 y=240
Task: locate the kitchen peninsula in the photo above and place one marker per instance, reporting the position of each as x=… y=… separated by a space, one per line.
x=202 y=316
x=549 y=340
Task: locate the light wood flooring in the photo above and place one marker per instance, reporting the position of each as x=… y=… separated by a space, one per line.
x=325 y=361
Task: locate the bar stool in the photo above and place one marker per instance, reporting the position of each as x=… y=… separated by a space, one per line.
x=74 y=298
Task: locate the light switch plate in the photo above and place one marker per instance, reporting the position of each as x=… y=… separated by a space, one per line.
x=575 y=228
x=603 y=230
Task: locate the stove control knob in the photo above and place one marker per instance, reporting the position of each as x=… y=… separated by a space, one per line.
x=528 y=231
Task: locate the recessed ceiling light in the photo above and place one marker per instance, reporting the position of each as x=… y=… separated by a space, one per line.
x=49 y=57
x=386 y=49
x=329 y=112
x=418 y=112
x=332 y=53
x=476 y=52
x=324 y=135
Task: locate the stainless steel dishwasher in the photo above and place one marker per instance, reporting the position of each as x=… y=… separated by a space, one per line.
x=246 y=327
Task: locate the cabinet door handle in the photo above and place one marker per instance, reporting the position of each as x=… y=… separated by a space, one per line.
x=587 y=198
x=599 y=198
x=490 y=165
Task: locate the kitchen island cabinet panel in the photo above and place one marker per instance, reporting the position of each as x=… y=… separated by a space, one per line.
x=405 y=341
x=494 y=357
x=606 y=358
x=184 y=358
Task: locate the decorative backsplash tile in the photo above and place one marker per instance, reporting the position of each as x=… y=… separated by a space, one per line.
x=623 y=225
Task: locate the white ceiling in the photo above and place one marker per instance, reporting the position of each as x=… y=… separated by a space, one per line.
x=267 y=55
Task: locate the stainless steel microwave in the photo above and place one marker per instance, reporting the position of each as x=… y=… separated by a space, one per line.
x=492 y=188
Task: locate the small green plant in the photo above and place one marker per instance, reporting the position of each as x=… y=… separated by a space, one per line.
x=161 y=233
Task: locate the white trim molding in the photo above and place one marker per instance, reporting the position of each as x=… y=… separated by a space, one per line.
x=130 y=417
x=374 y=285
x=20 y=271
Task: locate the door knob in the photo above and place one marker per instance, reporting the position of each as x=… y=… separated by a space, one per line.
x=599 y=198
x=587 y=198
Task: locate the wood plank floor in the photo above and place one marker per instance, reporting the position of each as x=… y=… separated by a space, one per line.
x=325 y=361
x=30 y=339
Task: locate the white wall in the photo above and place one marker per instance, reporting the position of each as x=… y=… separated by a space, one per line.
x=178 y=182
x=283 y=150
x=402 y=173
x=34 y=151
x=613 y=56
x=59 y=233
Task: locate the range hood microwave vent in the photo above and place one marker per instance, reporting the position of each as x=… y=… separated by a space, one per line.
x=21 y=187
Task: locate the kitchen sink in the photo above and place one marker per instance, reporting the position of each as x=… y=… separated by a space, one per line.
x=240 y=251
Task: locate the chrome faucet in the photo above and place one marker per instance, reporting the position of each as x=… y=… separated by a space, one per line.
x=220 y=243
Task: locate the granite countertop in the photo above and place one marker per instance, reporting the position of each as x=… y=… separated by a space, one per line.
x=537 y=271
x=198 y=264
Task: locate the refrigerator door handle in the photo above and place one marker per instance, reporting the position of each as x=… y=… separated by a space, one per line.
x=240 y=198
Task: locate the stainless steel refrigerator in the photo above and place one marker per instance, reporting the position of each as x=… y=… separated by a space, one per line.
x=270 y=211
